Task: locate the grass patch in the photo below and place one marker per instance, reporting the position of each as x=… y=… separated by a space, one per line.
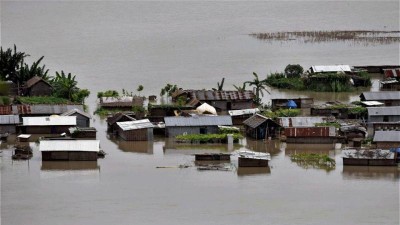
x=105 y=112
x=328 y=124
x=42 y=100
x=207 y=138
x=313 y=160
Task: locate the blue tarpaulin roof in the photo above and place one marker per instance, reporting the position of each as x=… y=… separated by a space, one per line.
x=395 y=150
x=291 y=104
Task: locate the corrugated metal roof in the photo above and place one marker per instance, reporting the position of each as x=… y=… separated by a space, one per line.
x=49 y=121
x=116 y=117
x=44 y=109
x=257 y=120
x=372 y=103
x=9 y=119
x=384 y=111
x=387 y=136
x=300 y=121
x=331 y=68
x=210 y=95
x=134 y=125
x=179 y=121
x=70 y=145
x=380 y=95
x=73 y=111
x=243 y=112
x=123 y=101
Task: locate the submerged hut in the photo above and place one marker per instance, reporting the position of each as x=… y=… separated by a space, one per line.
x=118 y=117
x=198 y=124
x=70 y=150
x=261 y=127
x=139 y=130
x=123 y=102
x=47 y=125
x=82 y=118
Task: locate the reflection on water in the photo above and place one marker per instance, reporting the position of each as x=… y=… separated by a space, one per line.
x=172 y=147
x=76 y=171
x=271 y=146
x=371 y=173
x=253 y=171
x=133 y=146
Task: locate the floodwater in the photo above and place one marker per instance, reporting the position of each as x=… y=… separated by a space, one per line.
x=115 y=45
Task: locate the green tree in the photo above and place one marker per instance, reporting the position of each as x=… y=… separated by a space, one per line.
x=220 y=86
x=65 y=86
x=26 y=72
x=260 y=86
x=240 y=89
x=294 y=70
x=10 y=62
x=80 y=95
x=140 y=88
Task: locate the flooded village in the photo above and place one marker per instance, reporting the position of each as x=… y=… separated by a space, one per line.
x=276 y=112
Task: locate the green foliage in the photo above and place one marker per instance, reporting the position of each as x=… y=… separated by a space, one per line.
x=260 y=86
x=65 y=85
x=5 y=100
x=4 y=88
x=328 y=124
x=208 y=138
x=104 y=112
x=220 y=86
x=328 y=82
x=313 y=160
x=181 y=100
x=137 y=109
x=108 y=93
x=229 y=130
x=282 y=113
x=42 y=100
x=279 y=80
x=10 y=63
x=140 y=88
x=358 y=110
x=367 y=78
x=26 y=72
x=293 y=71
x=80 y=95
x=240 y=89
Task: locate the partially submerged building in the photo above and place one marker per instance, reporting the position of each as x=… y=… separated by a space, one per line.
x=221 y=100
x=330 y=69
x=44 y=109
x=195 y=125
x=240 y=115
x=70 y=150
x=139 y=130
x=390 y=98
x=82 y=132
x=387 y=139
x=82 y=118
x=8 y=123
x=123 y=102
x=118 y=117
x=47 y=125
x=261 y=127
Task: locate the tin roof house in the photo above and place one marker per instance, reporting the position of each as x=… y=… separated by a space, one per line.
x=69 y=150
x=199 y=124
x=118 y=117
x=387 y=139
x=123 y=102
x=36 y=86
x=47 y=125
x=8 y=123
x=261 y=127
x=221 y=100
x=139 y=130
x=389 y=98
x=82 y=118
x=44 y=109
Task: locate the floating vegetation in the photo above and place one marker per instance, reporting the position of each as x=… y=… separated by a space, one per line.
x=313 y=160
x=354 y=36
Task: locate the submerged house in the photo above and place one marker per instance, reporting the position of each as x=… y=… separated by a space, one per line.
x=82 y=132
x=387 y=139
x=261 y=127
x=377 y=115
x=221 y=100
x=82 y=118
x=69 y=150
x=8 y=123
x=44 y=109
x=330 y=69
x=36 y=86
x=139 y=130
x=195 y=125
x=47 y=125
x=118 y=117
x=240 y=115
x=123 y=102
x=389 y=98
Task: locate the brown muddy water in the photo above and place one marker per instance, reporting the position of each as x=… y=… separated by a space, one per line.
x=121 y=44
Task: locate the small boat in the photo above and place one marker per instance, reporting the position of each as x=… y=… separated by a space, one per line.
x=253 y=159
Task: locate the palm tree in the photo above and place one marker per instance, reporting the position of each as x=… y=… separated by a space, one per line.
x=242 y=88
x=10 y=62
x=260 y=86
x=65 y=85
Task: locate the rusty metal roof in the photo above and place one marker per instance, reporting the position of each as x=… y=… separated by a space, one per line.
x=203 y=120
x=210 y=95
